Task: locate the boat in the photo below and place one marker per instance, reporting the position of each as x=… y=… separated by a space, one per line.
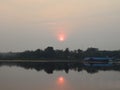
x=98 y=61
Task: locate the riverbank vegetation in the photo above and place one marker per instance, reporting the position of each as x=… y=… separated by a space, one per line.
x=50 y=53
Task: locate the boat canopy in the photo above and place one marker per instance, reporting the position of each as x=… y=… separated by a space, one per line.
x=98 y=58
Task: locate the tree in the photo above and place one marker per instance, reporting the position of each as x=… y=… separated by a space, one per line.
x=66 y=53
x=92 y=49
x=91 y=52
x=49 y=52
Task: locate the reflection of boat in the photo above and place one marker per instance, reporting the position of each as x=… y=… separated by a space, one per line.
x=98 y=61
x=98 y=64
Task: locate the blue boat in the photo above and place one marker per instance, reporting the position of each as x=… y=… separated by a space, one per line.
x=98 y=61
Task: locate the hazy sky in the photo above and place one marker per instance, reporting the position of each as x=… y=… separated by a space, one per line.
x=32 y=24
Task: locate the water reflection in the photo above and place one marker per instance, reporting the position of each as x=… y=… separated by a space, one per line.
x=52 y=76
x=61 y=80
x=50 y=67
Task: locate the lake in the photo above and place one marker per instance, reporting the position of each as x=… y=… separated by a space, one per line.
x=58 y=76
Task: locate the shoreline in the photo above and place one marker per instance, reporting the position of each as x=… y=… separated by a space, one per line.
x=41 y=61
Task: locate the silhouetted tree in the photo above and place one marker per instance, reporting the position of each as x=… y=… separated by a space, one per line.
x=59 y=54
x=67 y=53
x=91 y=52
x=49 y=52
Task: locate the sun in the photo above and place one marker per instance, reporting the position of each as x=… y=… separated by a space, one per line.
x=61 y=37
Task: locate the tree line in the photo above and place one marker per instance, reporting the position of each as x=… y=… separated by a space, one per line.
x=50 y=53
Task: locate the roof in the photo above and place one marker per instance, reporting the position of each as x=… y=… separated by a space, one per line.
x=98 y=58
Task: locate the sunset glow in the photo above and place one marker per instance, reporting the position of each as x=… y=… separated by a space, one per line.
x=61 y=37
x=59 y=23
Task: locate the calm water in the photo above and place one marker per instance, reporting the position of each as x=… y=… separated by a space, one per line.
x=58 y=76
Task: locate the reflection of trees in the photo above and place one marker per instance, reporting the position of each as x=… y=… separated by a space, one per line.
x=50 y=67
